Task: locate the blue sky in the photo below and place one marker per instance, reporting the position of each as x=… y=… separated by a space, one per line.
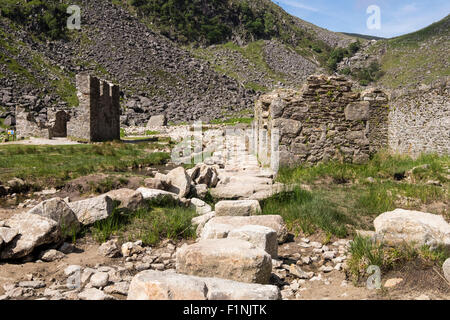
x=397 y=16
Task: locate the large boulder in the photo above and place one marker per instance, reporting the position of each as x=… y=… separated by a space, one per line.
x=262 y=237
x=158 y=285
x=274 y=222
x=157 y=121
x=179 y=181
x=91 y=210
x=232 y=259
x=128 y=198
x=204 y=174
x=237 y=208
x=58 y=210
x=34 y=230
x=414 y=227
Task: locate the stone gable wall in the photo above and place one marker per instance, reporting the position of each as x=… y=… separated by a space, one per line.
x=325 y=120
x=98 y=116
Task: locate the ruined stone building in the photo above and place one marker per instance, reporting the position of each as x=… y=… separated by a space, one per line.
x=96 y=119
x=327 y=120
x=324 y=120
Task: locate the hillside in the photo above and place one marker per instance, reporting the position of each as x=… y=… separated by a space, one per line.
x=417 y=58
x=157 y=69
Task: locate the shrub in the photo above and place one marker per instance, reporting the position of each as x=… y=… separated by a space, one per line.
x=45 y=18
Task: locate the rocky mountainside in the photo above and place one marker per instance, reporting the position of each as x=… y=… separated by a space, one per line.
x=408 y=61
x=188 y=80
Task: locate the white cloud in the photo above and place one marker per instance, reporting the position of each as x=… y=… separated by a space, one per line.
x=296 y=4
x=409 y=8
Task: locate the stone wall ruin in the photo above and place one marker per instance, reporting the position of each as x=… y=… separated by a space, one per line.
x=325 y=120
x=96 y=119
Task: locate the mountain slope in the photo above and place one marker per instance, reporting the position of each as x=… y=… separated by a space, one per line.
x=409 y=60
x=39 y=58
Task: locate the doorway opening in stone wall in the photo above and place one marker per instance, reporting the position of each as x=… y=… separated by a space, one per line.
x=59 y=129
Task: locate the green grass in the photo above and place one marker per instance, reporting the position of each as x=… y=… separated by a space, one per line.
x=52 y=165
x=306 y=212
x=343 y=199
x=159 y=219
x=232 y=121
x=365 y=252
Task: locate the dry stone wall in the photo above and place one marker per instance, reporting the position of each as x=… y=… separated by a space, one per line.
x=325 y=120
x=419 y=120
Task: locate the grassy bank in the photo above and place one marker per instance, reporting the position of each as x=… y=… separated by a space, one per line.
x=342 y=197
x=51 y=165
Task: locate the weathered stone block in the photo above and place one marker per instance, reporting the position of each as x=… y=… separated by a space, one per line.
x=225 y=258
x=262 y=237
x=237 y=208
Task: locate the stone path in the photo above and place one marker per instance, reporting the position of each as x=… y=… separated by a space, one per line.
x=240 y=175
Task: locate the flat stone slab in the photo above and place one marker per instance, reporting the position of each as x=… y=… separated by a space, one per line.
x=165 y=285
x=237 y=208
x=232 y=259
x=274 y=222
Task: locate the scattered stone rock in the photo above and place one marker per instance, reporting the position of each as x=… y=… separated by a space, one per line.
x=109 y=249
x=299 y=273
x=52 y=255
x=225 y=258
x=157 y=121
x=118 y=288
x=32 y=284
x=91 y=210
x=130 y=248
x=72 y=269
x=393 y=282
x=93 y=294
x=99 y=279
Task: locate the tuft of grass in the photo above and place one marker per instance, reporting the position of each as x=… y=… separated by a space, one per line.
x=159 y=219
x=306 y=211
x=365 y=252
x=232 y=121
